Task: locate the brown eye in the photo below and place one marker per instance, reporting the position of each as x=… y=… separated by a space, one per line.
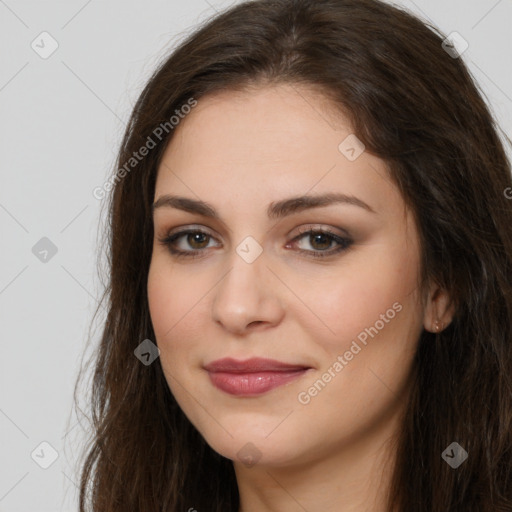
x=322 y=243
x=197 y=240
x=188 y=243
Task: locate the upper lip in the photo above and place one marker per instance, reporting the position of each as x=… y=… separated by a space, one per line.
x=253 y=365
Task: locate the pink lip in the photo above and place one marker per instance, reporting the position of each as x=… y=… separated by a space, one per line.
x=253 y=376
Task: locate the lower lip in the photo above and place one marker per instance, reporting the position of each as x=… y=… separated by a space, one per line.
x=252 y=384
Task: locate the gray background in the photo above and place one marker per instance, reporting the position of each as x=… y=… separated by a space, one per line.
x=61 y=119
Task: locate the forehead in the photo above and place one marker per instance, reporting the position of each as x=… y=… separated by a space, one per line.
x=258 y=125
x=266 y=143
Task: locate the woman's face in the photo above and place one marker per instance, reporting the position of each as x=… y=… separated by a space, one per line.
x=330 y=289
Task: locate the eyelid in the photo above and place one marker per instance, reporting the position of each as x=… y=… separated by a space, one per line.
x=343 y=241
x=305 y=228
x=188 y=227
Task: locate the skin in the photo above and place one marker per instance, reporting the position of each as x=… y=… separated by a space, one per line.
x=239 y=152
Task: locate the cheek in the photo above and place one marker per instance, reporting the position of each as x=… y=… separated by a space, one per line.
x=178 y=299
x=168 y=309
x=173 y=297
x=375 y=313
x=376 y=289
x=162 y=301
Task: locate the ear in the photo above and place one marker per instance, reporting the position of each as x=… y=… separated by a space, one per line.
x=439 y=309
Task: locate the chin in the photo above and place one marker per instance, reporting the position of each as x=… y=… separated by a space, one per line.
x=248 y=445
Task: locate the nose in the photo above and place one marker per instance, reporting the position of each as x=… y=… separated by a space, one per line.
x=247 y=297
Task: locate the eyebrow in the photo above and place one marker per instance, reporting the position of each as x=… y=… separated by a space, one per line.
x=275 y=210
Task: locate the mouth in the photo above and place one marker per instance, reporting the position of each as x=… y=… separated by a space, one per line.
x=252 y=377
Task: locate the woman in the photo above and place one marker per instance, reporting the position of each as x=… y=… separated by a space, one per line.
x=310 y=275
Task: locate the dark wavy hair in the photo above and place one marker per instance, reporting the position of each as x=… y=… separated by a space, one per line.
x=416 y=107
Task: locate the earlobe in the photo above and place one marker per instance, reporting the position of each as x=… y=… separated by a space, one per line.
x=439 y=310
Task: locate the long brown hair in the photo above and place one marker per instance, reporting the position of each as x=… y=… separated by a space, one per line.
x=415 y=106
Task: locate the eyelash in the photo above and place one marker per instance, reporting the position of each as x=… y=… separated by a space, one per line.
x=343 y=242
